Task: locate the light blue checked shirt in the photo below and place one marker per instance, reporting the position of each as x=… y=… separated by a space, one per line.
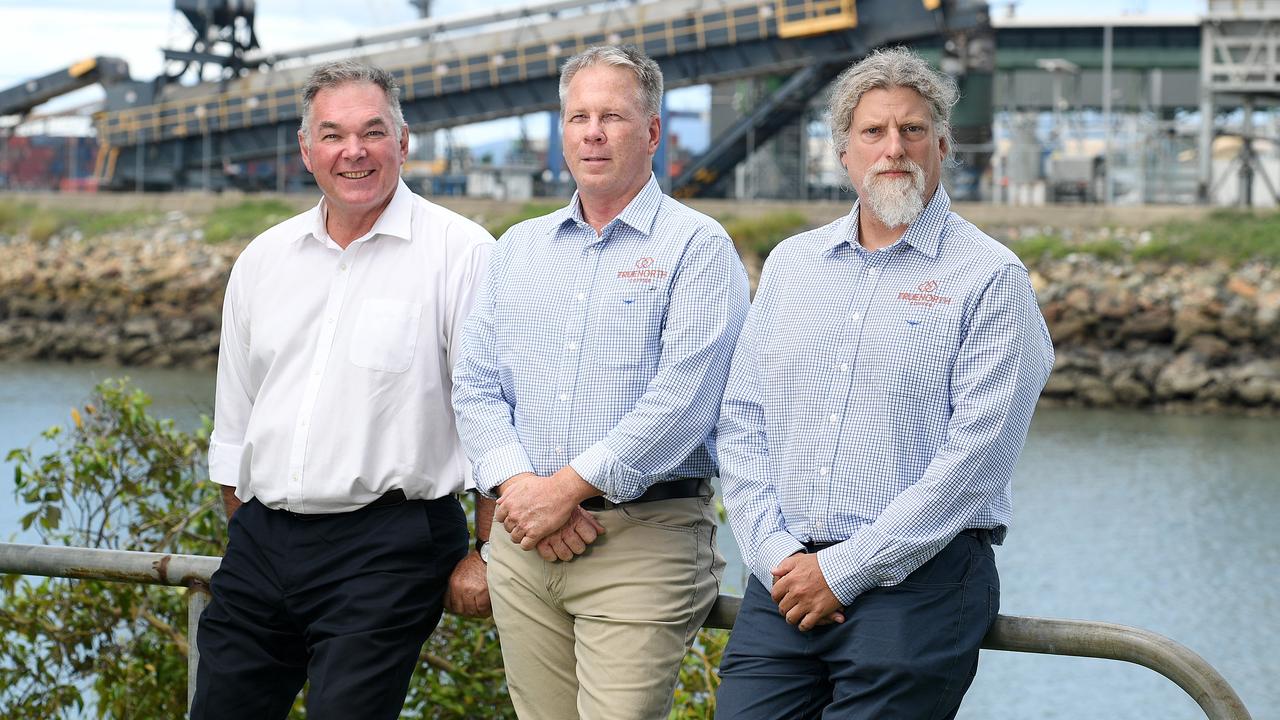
x=608 y=353
x=879 y=400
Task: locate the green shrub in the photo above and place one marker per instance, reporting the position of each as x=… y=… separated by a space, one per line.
x=1038 y=247
x=42 y=225
x=527 y=211
x=245 y=220
x=1236 y=236
x=101 y=223
x=120 y=479
x=759 y=235
x=13 y=216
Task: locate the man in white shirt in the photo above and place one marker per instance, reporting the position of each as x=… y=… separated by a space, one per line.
x=334 y=437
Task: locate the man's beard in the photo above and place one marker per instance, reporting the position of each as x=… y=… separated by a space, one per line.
x=894 y=201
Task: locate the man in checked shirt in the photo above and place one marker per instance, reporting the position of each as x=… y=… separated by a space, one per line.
x=879 y=398
x=587 y=394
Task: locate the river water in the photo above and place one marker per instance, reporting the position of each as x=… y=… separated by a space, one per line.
x=1155 y=521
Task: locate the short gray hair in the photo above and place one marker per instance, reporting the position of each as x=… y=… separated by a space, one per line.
x=647 y=73
x=341 y=72
x=887 y=69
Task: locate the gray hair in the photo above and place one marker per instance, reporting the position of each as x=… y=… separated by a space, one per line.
x=341 y=72
x=886 y=69
x=648 y=74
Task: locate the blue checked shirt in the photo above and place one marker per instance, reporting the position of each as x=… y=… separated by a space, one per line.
x=608 y=353
x=879 y=400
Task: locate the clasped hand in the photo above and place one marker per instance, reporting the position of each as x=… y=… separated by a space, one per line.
x=802 y=593
x=543 y=513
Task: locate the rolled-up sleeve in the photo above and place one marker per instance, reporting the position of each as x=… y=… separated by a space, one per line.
x=678 y=410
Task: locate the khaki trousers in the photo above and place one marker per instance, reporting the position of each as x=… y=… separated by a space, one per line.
x=601 y=637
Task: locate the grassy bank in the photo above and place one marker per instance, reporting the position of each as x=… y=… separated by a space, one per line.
x=1232 y=236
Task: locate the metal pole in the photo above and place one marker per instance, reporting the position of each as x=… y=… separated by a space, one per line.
x=1244 y=192
x=139 y=166
x=281 y=139
x=197 y=601
x=1082 y=638
x=1207 y=38
x=113 y=565
x=206 y=139
x=1107 y=182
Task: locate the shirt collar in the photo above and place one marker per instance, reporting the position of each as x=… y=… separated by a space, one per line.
x=923 y=234
x=396 y=219
x=640 y=214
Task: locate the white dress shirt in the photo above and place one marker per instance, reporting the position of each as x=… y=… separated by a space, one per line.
x=335 y=366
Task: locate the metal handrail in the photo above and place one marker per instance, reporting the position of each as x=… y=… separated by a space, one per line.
x=1080 y=638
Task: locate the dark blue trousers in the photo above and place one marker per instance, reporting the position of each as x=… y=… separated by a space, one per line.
x=909 y=651
x=345 y=600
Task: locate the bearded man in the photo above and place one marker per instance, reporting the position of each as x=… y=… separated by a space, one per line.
x=879 y=396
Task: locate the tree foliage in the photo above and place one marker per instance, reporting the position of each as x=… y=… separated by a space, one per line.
x=119 y=478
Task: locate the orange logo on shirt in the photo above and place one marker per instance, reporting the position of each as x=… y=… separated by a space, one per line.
x=644 y=272
x=926 y=295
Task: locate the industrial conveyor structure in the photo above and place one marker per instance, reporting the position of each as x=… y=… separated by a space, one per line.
x=455 y=71
x=25 y=96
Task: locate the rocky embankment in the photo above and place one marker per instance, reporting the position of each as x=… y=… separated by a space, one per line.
x=120 y=298
x=1173 y=336
x=1135 y=335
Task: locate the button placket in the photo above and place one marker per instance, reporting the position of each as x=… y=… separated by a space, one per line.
x=333 y=306
x=571 y=353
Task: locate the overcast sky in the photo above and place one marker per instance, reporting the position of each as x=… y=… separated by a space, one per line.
x=42 y=36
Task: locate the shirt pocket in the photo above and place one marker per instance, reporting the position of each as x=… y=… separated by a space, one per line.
x=631 y=327
x=917 y=348
x=385 y=335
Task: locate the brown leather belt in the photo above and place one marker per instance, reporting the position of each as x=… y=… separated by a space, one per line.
x=667 y=490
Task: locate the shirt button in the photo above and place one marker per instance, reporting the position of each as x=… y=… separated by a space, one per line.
x=844 y=367
x=872 y=270
x=835 y=418
x=343 y=266
x=571 y=346
x=564 y=397
x=331 y=320
x=582 y=296
x=559 y=450
x=823 y=471
x=855 y=317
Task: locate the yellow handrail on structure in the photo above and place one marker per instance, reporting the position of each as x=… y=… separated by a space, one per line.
x=814 y=17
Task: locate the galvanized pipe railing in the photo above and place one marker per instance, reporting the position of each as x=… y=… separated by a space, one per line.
x=1079 y=638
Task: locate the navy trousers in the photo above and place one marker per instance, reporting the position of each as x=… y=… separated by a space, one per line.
x=909 y=651
x=345 y=600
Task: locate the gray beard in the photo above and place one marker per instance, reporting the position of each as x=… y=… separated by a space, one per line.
x=894 y=202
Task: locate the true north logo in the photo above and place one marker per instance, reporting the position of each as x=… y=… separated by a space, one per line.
x=926 y=295
x=643 y=272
